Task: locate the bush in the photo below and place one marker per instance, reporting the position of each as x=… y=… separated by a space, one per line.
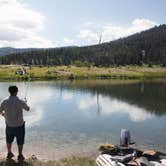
x=82 y=64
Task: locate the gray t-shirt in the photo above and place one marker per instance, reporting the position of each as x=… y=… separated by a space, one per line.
x=13 y=109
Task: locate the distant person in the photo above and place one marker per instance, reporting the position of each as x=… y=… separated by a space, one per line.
x=125 y=137
x=12 y=110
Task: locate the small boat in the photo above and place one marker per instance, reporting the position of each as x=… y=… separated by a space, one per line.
x=124 y=155
x=144 y=161
x=105 y=160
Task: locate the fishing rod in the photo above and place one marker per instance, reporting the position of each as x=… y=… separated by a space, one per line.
x=27 y=88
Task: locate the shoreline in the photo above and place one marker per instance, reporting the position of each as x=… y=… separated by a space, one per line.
x=34 y=161
x=67 y=161
x=49 y=156
x=44 y=73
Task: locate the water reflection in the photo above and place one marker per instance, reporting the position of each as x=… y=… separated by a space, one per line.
x=37 y=96
x=148 y=95
x=107 y=106
x=69 y=118
x=67 y=95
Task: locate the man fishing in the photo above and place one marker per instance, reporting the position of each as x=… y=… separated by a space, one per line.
x=12 y=110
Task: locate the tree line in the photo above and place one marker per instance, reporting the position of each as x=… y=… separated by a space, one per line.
x=147 y=47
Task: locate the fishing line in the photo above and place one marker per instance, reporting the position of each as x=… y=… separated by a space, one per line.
x=27 y=88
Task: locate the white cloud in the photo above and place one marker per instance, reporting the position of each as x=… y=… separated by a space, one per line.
x=68 y=41
x=111 y=32
x=88 y=35
x=89 y=24
x=20 y=26
x=91 y=33
x=137 y=114
x=87 y=103
x=110 y=106
x=67 y=95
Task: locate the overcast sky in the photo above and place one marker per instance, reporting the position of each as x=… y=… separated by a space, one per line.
x=53 y=23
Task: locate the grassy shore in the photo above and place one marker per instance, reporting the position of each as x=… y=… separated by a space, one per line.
x=74 y=161
x=8 y=73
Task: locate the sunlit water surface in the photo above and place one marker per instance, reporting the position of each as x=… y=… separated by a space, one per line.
x=74 y=118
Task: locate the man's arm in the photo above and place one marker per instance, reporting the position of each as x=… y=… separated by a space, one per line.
x=2 y=109
x=2 y=113
x=25 y=106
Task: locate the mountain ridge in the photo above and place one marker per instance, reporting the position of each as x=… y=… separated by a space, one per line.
x=145 y=47
x=12 y=50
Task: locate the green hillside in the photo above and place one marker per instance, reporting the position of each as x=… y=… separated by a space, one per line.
x=147 y=47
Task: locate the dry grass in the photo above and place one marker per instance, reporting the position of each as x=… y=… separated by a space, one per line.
x=63 y=72
x=74 y=161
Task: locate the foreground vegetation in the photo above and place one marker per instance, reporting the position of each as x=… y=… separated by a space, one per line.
x=11 y=72
x=74 y=161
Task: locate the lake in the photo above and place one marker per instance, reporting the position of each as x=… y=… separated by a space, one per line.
x=75 y=117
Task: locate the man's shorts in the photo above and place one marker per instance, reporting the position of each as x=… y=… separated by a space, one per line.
x=18 y=132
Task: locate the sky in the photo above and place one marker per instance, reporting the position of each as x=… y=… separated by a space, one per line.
x=57 y=23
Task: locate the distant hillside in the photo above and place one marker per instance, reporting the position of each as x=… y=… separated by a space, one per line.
x=6 y=50
x=146 y=47
x=10 y=50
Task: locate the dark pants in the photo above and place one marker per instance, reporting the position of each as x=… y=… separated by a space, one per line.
x=18 y=132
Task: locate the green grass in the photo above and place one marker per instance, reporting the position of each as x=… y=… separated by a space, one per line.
x=74 y=161
x=8 y=73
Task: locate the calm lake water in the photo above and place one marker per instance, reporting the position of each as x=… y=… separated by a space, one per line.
x=73 y=118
